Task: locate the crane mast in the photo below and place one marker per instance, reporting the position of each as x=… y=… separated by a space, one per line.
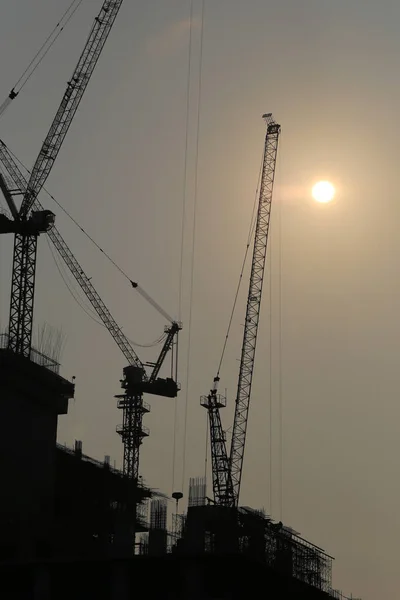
x=221 y=477
x=227 y=473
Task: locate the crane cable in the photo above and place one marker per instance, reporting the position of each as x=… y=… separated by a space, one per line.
x=185 y=167
x=87 y=309
x=276 y=391
x=75 y=222
x=69 y=287
x=280 y=374
x=40 y=54
x=185 y=170
x=135 y=285
x=249 y=238
x=196 y=163
x=270 y=383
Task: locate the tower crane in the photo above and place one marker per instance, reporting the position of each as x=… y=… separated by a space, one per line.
x=32 y=219
x=29 y=224
x=227 y=471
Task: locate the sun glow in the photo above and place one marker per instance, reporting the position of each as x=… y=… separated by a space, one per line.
x=323 y=192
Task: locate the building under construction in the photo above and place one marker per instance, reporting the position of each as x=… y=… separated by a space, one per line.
x=73 y=527
x=68 y=522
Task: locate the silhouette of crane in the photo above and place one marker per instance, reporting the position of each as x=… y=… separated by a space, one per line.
x=227 y=471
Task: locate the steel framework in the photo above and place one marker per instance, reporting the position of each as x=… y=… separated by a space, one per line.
x=222 y=482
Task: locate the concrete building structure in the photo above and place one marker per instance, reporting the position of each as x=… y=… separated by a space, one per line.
x=32 y=396
x=67 y=523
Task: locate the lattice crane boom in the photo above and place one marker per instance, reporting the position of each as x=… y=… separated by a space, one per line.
x=227 y=471
x=10 y=166
x=171 y=333
x=253 y=306
x=8 y=197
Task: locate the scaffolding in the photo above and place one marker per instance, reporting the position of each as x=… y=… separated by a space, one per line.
x=212 y=529
x=158 y=515
x=158 y=535
x=284 y=549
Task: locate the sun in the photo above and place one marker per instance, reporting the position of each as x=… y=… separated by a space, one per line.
x=323 y=192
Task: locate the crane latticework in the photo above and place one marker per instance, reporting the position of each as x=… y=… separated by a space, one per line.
x=253 y=308
x=12 y=170
x=132 y=432
x=221 y=480
x=93 y=296
x=23 y=273
x=22 y=293
x=171 y=332
x=226 y=471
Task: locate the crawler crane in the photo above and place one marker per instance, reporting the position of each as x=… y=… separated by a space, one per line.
x=227 y=471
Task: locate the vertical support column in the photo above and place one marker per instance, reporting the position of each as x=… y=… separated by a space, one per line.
x=132 y=433
x=22 y=294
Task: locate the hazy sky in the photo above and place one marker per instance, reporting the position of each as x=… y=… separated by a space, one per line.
x=328 y=70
